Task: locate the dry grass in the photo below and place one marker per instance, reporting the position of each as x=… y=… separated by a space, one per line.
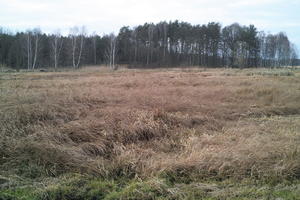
x=191 y=124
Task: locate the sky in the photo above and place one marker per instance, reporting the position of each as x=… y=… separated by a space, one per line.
x=108 y=16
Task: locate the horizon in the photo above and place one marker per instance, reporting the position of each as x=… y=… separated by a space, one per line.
x=107 y=17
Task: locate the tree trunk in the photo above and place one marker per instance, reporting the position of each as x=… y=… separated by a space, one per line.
x=35 y=51
x=80 y=51
x=73 y=50
x=28 y=52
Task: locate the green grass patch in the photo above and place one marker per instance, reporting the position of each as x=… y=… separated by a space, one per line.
x=76 y=186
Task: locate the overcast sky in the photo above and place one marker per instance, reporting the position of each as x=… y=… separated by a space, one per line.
x=105 y=16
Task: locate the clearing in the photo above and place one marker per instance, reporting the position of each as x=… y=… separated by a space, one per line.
x=150 y=134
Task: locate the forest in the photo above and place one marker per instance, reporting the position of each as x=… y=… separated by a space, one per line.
x=165 y=44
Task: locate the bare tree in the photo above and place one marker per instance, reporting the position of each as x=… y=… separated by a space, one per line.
x=32 y=38
x=282 y=49
x=293 y=55
x=231 y=35
x=241 y=54
x=77 y=35
x=36 y=38
x=56 y=43
x=263 y=49
x=111 y=51
x=271 y=47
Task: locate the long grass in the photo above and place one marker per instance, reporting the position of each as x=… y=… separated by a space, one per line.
x=184 y=126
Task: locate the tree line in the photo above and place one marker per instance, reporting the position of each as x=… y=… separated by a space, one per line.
x=149 y=45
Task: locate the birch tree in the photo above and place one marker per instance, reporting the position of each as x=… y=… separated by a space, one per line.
x=77 y=36
x=32 y=38
x=56 y=44
x=293 y=55
x=111 y=51
x=36 y=39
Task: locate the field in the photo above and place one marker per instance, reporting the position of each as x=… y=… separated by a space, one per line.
x=150 y=134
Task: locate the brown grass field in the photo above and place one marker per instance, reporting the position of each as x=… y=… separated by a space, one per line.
x=150 y=134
